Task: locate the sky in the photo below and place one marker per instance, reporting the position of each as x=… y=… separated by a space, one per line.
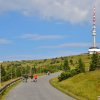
x=41 y=29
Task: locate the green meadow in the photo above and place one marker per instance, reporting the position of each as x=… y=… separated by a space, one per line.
x=84 y=86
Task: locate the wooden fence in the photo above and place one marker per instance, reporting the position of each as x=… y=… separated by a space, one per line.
x=2 y=89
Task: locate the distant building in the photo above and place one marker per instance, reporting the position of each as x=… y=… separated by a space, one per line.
x=93 y=50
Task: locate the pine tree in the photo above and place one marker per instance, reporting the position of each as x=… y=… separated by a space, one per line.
x=98 y=66
x=71 y=61
x=66 y=65
x=3 y=73
x=94 y=62
x=81 y=66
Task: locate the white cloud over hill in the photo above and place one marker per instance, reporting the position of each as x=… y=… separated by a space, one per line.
x=73 y=11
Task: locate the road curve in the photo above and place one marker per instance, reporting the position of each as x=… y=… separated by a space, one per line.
x=41 y=90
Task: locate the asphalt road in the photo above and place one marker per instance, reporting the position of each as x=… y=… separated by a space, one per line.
x=41 y=90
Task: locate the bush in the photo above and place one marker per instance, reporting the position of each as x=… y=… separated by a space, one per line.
x=65 y=75
x=66 y=65
x=77 y=70
x=73 y=72
x=62 y=76
x=94 y=62
x=81 y=66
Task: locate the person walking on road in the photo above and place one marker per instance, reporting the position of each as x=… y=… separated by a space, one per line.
x=35 y=77
x=48 y=73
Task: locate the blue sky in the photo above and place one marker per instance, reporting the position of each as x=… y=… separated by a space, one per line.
x=38 y=29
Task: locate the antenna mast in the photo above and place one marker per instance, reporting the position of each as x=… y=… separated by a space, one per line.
x=94 y=27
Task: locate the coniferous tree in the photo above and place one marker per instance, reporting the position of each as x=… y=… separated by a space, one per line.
x=66 y=65
x=71 y=61
x=18 y=71
x=98 y=66
x=3 y=73
x=94 y=62
x=81 y=66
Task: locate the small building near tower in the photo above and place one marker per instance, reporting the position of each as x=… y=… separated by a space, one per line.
x=93 y=50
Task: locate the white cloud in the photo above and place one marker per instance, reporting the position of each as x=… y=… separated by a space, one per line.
x=39 y=56
x=4 y=41
x=41 y=37
x=68 y=45
x=73 y=11
x=17 y=57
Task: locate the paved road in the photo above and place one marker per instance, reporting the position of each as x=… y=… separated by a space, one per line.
x=41 y=90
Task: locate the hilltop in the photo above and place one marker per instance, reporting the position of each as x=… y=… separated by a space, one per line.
x=51 y=62
x=14 y=69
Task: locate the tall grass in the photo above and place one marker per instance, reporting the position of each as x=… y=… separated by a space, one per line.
x=85 y=85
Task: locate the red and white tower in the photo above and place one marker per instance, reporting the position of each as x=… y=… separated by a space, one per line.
x=94 y=48
x=94 y=28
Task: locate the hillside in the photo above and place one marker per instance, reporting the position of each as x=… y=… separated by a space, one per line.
x=53 y=61
x=16 y=69
x=84 y=85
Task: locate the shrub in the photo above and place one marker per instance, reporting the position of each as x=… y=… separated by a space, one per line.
x=66 y=65
x=81 y=66
x=94 y=62
x=62 y=76
x=67 y=74
x=73 y=72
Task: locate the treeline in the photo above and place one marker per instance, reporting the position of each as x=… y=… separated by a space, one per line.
x=70 y=65
x=14 y=70
x=80 y=68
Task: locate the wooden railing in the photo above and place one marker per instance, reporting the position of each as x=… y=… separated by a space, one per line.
x=2 y=89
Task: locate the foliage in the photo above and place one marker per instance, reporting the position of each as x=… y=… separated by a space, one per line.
x=67 y=74
x=98 y=66
x=81 y=66
x=94 y=62
x=14 y=69
x=71 y=72
x=71 y=62
x=66 y=65
x=3 y=73
x=84 y=85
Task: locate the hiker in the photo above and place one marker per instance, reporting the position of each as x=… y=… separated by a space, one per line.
x=26 y=77
x=35 y=77
x=48 y=73
x=31 y=77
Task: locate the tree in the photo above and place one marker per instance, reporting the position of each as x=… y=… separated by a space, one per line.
x=27 y=68
x=18 y=71
x=3 y=73
x=98 y=66
x=71 y=61
x=66 y=65
x=94 y=62
x=81 y=66
x=34 y=68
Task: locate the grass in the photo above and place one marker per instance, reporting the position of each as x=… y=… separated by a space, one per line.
x=4 y=94
x=6 y=82
x=43 y=62
x=84 y=86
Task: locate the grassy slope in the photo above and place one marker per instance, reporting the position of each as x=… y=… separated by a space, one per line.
x=86 y=85
x=46 y=62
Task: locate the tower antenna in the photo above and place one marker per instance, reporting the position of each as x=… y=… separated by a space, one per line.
x=94 y=27
x=94 y=48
